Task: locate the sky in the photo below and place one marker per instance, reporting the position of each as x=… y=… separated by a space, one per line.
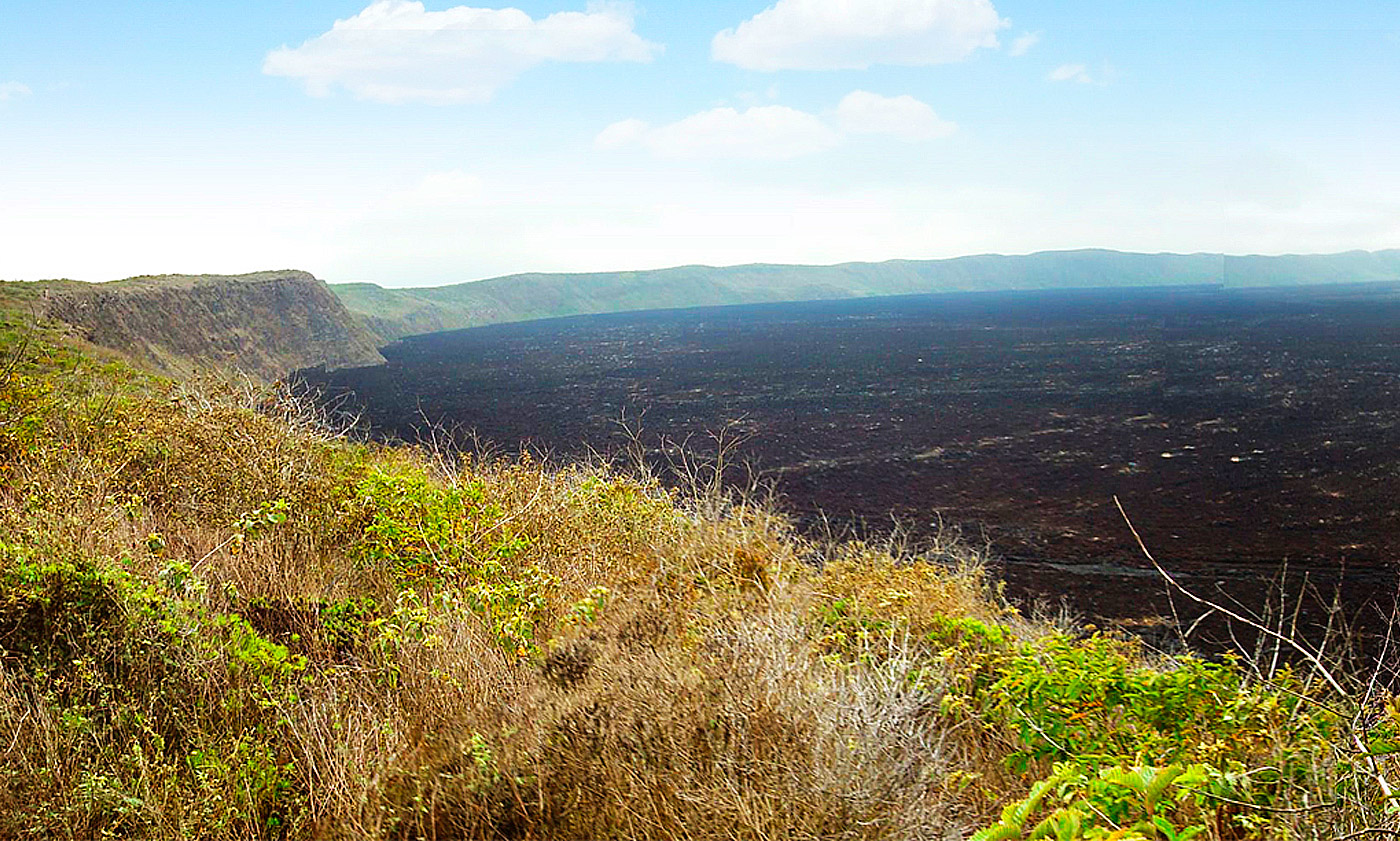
x=423 y=143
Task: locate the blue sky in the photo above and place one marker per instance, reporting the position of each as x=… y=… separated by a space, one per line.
x=423 y=143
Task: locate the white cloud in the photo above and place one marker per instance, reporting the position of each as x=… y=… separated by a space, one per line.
x=843 y=34
x=765 y=132
x=622 y=133
x=1071 y=73
x=777 y=132
x=440 y=189
x=905 y=117
x=13 y=90
x=395 y=51
x=1023 y=43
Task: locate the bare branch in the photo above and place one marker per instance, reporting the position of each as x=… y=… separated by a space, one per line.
x=1308 y=654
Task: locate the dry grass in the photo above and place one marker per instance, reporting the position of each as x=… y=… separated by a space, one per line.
x=223 y=617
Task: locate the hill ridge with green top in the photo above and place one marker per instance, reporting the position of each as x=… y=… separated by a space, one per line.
x=393 y=313
x=266 y=324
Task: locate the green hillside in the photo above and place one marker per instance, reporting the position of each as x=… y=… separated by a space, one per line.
x=398 y=312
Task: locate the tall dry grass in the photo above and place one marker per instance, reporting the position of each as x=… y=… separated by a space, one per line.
x=223 y=617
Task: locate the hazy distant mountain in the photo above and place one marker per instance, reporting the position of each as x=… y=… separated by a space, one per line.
x=399 y=312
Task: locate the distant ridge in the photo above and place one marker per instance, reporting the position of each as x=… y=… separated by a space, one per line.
x=393 y=313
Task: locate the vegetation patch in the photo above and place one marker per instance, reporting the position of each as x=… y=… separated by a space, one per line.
x=222 y=618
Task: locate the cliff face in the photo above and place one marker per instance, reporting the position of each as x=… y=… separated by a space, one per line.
x=267 y=324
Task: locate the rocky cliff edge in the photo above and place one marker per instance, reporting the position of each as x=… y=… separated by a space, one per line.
x=267 y=324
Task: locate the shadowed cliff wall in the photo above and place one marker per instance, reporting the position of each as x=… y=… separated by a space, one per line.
x=267 y=324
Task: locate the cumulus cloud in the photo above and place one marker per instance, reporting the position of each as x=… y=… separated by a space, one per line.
x=1023 y=43
x=12 y=90
x=622 y=133
x=1071 y=73
x=396 y=51
x=863 y=112
x=764 y=132
x=844 y=35
x=777 y=132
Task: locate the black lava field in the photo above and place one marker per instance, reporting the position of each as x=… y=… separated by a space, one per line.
x=1251 y=436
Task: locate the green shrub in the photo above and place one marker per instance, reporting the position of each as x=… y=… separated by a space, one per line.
x=430 y=534
x=1095 y=698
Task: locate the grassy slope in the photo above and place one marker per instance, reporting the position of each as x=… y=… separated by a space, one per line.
x=394 y=313
x=218 y=620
